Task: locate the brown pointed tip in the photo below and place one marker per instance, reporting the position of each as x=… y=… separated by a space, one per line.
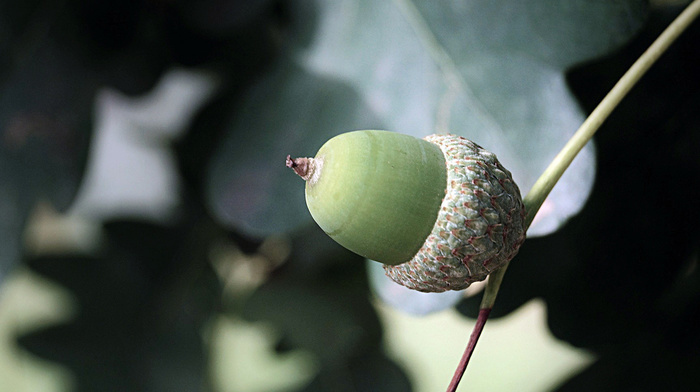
x=301 y=166
x=290 y=161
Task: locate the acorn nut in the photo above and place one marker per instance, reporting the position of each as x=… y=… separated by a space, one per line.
x=439 y=212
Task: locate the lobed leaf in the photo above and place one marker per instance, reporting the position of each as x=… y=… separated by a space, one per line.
x=493 y=71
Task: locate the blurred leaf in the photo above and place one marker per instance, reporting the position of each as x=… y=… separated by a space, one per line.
x=289 y=111
x=407 y=300
x=132 y=169
x=491 y=71
x=121 y=41
x=233 y=36
x=488 y=70
x=374 y=372
x=14 y=210
x=131 y=43
x=317 y=302
x=54 y=56
x=218 y=17
x=45 y=120
x=142 y=310
x=621 y=278
x=330 y=324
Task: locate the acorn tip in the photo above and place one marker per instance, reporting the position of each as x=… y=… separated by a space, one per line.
x=301 y=166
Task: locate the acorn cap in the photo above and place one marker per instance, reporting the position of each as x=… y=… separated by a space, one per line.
x=479 y=228
x=440 y=213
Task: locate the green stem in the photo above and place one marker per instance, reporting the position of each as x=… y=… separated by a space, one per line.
x=539 y=192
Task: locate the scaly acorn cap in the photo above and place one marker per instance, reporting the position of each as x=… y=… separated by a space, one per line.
x=440 y=213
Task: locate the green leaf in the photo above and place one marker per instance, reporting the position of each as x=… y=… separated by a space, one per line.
x=492 y=71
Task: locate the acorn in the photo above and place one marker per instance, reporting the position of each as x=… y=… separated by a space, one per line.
x=440 y=213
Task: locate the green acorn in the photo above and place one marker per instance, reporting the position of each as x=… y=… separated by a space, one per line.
x=439 y=212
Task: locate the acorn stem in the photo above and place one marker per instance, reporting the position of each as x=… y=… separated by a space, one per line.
x=539 y=192
x=534 y=199
x=478 y=327
x=490 y=293
x=544 y=185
